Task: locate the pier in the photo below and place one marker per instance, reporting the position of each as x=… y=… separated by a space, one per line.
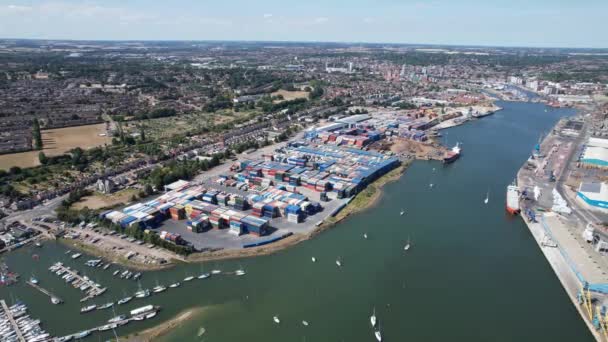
x=9 y=315
x=87 y=285
x=46 y=292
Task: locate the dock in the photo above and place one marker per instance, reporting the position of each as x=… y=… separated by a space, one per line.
x=87 y=285
x=9 y=315
x=45 y=291
x=119 y=324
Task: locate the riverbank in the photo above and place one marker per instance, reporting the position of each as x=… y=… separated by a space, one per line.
x=153 y=333
x=115 y=257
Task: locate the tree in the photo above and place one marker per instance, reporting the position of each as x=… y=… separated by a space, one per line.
x=142 y=133
x=36 y=134
x=42 y=158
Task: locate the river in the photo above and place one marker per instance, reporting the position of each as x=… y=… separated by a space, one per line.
x=472 y=274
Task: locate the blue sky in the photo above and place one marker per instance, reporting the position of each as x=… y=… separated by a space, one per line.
x=545 y=23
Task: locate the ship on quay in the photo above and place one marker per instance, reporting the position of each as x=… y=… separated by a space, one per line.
x=512 y=204
x=452 y=154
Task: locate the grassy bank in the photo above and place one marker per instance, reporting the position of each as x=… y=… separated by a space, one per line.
x=369 y=196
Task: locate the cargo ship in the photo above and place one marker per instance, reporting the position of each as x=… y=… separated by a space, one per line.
x=452 y=155
x=513 y=199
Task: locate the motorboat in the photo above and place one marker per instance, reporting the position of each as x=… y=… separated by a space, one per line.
x=88 y=308
x=276 y=319
x=124 y=300
x=174 y=285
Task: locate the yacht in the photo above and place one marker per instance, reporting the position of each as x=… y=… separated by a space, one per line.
x=105 y=306
x=364 y=235
x=56 y=300
x=117 y=319
x=142 y=293
x=276 y=319
x=33 y=280
x=372 y=318
x=188 y=278
x=82 y=334
x=378 y=335
x=216 y=272
x=88 y=308
x=124 y=300
x=487 y=199
x=107 y=327
x=408 y=245
x=174 y=285
x=339 y=263
x=106 y=266
x=305 y=323
x=204 y=276
x=240 y=272
x=314 y=259
x=76 y=255
x=402 y=212
x=115 y=273
x=137 y=276
x=159 y=289
x=151 y=315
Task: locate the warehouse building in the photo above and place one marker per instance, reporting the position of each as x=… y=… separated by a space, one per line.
x=594 y=195
x=596 y=153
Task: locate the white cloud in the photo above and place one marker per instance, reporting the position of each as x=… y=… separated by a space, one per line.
x=321 y=20
x=267 y=15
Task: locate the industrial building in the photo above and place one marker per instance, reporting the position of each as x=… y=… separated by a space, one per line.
x=594 y=195
x=595 y=153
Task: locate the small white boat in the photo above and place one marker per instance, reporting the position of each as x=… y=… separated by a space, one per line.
x=407 y=245
x=117 y=319
x=372 y=318
x=402 y=212
x=56 y=300
x=124 y=300
x=378 y=335
x=38 y=244
x=276 y=319
x=189 y=278
x=142 y=293
x=216 y=272
x=33 y=280
x=139 y=318
x=339 y=263
x=487 y=199
x=88 y=308
x=314 y=259
x=239 y=272
x=115 y=273
x=174 y=285
x=105 y=306
x=431 y=185
x=364 y=235
x=305 y=323
x=204 y=276
x=151 y=315
x=76 y=255
x=159 y=289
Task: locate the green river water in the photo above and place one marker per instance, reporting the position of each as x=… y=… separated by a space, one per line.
x=473 y=273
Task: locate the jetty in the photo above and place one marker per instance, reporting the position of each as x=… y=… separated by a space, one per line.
x=11 y=319
x=83 y=283
x=46 y=292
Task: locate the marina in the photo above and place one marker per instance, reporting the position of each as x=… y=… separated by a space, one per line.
x=16 y=325
x=72 y=277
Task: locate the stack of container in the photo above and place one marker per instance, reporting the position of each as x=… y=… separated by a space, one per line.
x=175 y=238
x=177 y=212
x=198 y=224
x=210 y=197
x=257 y=209
x=254 y=225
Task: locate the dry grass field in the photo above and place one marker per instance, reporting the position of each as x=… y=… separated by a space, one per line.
x=58 y=141
x=290 y=95
x=98 y=200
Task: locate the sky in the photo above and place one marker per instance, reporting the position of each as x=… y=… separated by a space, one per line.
x=539 y=23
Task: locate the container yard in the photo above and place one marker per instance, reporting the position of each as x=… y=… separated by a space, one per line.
x=261 y=200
